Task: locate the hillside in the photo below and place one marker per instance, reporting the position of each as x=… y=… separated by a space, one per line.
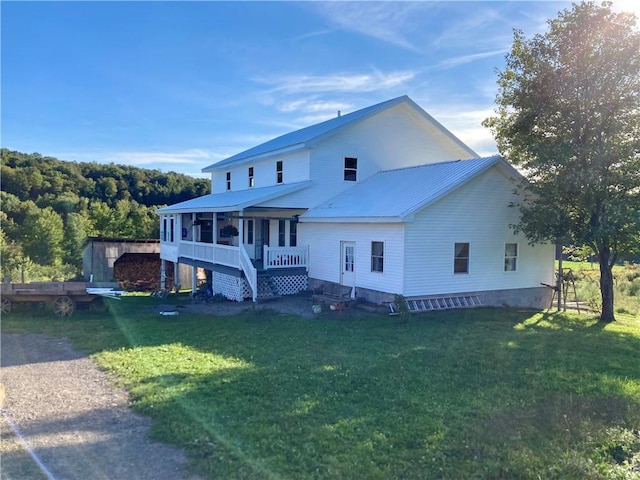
x=49 y=206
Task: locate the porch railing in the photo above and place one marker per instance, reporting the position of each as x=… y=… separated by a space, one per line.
x=286 y=257
x=250 y=271
x=212 y=253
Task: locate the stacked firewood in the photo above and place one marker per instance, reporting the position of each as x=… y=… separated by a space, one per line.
x=141 y=272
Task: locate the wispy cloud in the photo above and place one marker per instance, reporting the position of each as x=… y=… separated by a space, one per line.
x=386 y=21
x=339 y=82
x=464 y=59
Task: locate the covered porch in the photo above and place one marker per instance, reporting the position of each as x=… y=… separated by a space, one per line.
x=235 y=238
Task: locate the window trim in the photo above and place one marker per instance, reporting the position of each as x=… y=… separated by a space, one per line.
x=279 y=172
x=457 y=258
x=377 y=258
x=511 y=257
x=350 y=171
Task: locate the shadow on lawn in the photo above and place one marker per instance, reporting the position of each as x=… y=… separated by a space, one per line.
x=490 y=393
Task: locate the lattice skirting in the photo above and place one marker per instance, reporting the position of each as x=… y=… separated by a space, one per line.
x=229 y=286
x=290 y=284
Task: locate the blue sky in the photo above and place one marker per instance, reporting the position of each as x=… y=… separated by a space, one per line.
x=180 y=85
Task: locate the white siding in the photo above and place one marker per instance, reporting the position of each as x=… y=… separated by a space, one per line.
x=478 y=214
x=395 y=138
x=295 y=169
x=324 y=252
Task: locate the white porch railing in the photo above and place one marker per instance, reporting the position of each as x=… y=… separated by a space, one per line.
x=286 y=257
x=212 y=253
x=250 y=271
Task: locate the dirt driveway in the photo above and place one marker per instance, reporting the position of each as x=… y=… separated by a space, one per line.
x=64 y=420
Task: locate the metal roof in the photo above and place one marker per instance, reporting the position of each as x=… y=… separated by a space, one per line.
x=395 y=195
x=302 y=138
x=233 y=200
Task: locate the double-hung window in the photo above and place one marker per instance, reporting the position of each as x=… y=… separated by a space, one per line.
x=461 y=258
x=377 y=257
x=350 y=169
x=282 y=233
x=228 y=180
x=510 y=257
x=279 y=177
x=251 y=182
x=293 y=233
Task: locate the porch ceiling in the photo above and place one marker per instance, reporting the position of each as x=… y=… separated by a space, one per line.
x=233 y=200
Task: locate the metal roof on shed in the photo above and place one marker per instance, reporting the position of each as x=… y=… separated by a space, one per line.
x=233 y=200
x=394 y=195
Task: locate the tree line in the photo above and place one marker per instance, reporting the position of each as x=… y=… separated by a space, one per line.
x=50 y=207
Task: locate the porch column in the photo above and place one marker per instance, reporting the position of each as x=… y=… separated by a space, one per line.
x=163 y=274
x=176 y=276
x=194 y=279
x=214 y=226
x=240 y=227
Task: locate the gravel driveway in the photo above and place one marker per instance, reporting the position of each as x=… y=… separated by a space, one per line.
x=76 y=424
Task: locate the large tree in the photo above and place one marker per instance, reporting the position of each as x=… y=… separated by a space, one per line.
x=568 y=114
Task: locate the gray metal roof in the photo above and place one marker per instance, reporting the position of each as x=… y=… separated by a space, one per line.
x=233 y=200
x=395 y=195
x=303 y=137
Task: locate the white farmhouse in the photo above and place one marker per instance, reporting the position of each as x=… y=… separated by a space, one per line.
x=384 y=200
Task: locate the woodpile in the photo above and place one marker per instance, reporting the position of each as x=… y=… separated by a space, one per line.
x=141 y=272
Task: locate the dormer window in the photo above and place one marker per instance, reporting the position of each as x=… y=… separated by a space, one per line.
x=228 y=180
x=279 y=171
x=251 y=177
x=350 y=169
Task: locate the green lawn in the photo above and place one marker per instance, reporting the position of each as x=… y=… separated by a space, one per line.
x=626 y=290
x=486 y=393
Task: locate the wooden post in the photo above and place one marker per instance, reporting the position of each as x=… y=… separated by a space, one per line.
x=559 y=280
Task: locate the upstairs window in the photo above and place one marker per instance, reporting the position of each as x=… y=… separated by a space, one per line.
x=461 y=258
x=510 y=257
x=350 y=169
x=279 y=171
x=251 y=177
x=228 y=180
x=377 y=257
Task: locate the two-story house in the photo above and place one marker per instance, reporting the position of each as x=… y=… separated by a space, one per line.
x=384 y=200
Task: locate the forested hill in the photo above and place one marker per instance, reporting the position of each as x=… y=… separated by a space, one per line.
x=34 y=177
x=50 y=206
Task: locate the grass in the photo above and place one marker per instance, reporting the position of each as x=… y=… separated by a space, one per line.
x=626 y=293
x=485 y=393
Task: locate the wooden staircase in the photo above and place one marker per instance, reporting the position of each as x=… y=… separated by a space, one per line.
x=267 y=289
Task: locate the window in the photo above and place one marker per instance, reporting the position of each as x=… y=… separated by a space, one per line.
x=282 y=233
x=461 y=258
x=228 y=180
x=279 y=171
x=250 y=232
x=377 y=256
x=510 y=257
x=250 y=177
x=293 y=233
x=350 y=169
x=163 y=234
x=171 y=230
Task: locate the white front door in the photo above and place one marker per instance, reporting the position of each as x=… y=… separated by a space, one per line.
x=348 y=263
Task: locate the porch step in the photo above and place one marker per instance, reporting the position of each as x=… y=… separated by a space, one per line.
x=438 y=303
x=266 y=287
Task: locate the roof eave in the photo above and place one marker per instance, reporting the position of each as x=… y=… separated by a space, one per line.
x=225 y=164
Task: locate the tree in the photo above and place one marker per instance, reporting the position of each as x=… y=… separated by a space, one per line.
x=568 y=114
x=45 y=230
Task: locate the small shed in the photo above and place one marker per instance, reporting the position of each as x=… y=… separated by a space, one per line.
x=100 y=254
